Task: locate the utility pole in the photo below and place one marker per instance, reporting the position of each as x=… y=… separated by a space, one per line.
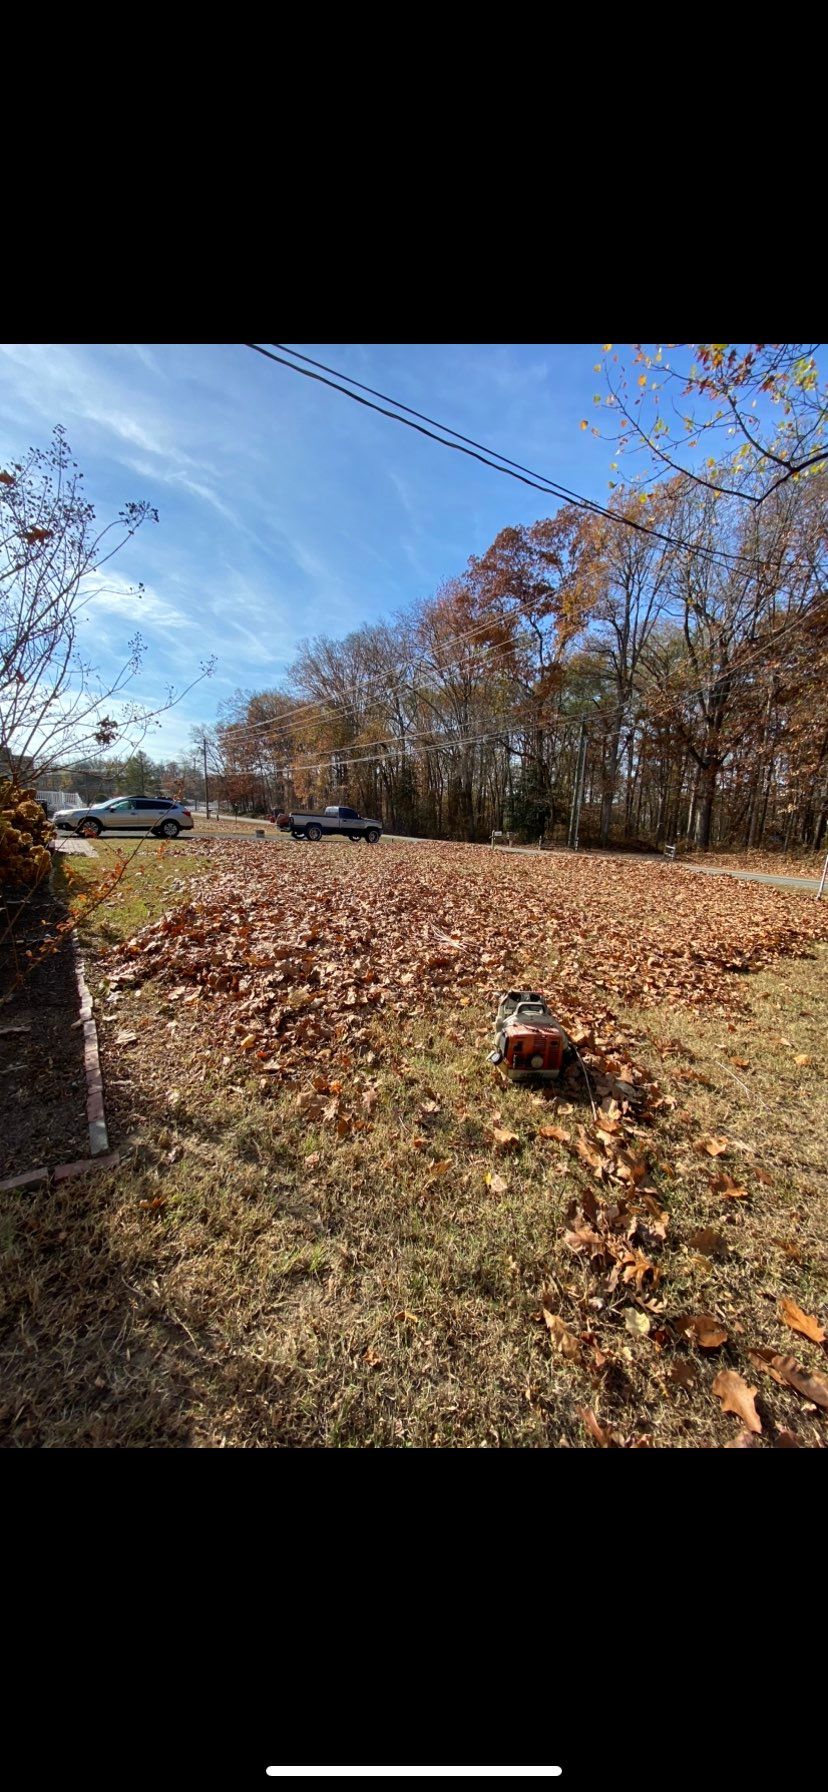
x=578 y=793
x=822 y=882
x=206 y=785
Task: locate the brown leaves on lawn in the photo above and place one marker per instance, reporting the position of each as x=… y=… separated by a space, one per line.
x=708 y=1241
x=798 y=1321
x=708 y=1332
x=787 y=1371
x=561 y=1336
x=724 y=1185
x=599 y=1433
x=737 y=1397
x=504 y=1139
x=714 y=1147
x=311 y=941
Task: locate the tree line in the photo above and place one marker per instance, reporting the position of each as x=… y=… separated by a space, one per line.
x=684 y=639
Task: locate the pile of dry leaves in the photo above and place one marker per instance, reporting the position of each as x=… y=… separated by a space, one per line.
x=288 y=952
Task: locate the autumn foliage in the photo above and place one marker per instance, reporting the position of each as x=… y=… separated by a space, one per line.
x=25 y=834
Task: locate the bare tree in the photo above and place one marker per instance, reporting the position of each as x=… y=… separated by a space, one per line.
x=53 y=703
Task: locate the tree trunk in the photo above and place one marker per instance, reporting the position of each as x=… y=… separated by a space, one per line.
x=704 y=816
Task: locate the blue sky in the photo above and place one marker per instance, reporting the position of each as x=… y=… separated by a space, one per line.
x=285 y=510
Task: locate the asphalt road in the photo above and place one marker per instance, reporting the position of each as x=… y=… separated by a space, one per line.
x=805 y=884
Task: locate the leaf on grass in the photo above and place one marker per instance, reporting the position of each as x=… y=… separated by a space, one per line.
x=745 y=1441
x=636 y=1323
x=802 y=1058
x=786 y=1440
x=561 y=1336
x=586 y=1153
x=707 y=1240
x=712 y=1146
x=497 y=1184
x=504 y=1139
x=798 y=1321
x=811 y=1387
x=724 y=1185
x=684 y=1373
x=737 y=1397
x=125 y=1037
x=596 y=1431
x=554 y=1132
x=707 y=1331
x=765 y=1359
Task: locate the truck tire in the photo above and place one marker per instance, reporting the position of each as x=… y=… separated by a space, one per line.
x=297 y=834
x=356 y=837
x=372 y=836
x=313 y=832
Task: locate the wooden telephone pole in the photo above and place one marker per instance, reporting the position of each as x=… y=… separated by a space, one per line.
x=578 y=793
x=206 y=785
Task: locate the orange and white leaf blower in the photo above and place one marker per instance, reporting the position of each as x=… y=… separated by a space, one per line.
x=529 y=1041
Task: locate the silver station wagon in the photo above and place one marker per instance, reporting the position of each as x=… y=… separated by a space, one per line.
x=140 y=814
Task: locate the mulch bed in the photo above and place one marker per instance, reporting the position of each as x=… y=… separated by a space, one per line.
x=42 y=1078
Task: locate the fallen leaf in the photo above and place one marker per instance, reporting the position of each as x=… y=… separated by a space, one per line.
x=636 y=1322
x=595 y=1430
x=785 y=1440
x=737 y=1397
x=684 y=1373
x=802 y=1058
x=801 y=1322
x=744 y=1441
x=587 y=1153
x=554 y=1132
x=764 y=1359
x=724 y=1184
x=707 y=1240
x=811 y=1387
x=497 y=1184
x=561 y=1337
x=707 y=1331
x=504 y=1139
x=714 y=1147
x=125 y=1037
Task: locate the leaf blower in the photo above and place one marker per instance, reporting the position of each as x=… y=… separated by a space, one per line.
x=529 y=1041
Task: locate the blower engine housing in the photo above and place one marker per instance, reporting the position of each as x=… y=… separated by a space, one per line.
x=529 y=1041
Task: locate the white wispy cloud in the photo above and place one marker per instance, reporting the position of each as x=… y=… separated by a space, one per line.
x=108 y=594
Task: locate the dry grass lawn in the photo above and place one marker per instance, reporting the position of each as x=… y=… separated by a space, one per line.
x=255 y=1273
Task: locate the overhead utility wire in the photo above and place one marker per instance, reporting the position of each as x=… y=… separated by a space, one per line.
x=549 y=487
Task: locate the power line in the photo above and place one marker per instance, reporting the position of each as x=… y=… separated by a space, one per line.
x=549 y=487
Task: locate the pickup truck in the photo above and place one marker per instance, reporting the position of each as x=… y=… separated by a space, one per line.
x=334 y=821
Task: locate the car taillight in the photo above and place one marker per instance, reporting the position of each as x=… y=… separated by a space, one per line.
x=187 y=813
